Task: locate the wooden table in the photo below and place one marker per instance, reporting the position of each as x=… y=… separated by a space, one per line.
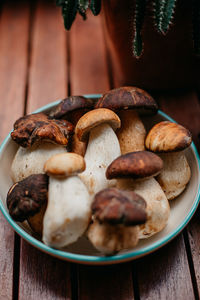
x=40 y=63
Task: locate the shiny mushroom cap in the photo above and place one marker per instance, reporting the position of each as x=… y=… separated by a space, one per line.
x=128 y=98
x=64 y=165
x=168 y=137
x=136 y=165
x=25 y=198
x=114 y=206
x=71 y=104
x=94 y=118
x=35 y=128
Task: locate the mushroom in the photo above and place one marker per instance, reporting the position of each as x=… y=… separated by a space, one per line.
x=127 y=102
x=40 y=138
x=31 y=161
x=32 y=129
x=134 y=171
x=116 y=214
x=68 y=211
x=26 y=198
x=103 y=146
x=169 y=140
x=72 y=109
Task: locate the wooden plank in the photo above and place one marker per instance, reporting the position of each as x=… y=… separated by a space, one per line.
x=48 y=63
x=13 y=68
x=108 y=282
x=89 y=74
x=42 y=276
x=88 y=66
x=185 y=109
x=165 y=274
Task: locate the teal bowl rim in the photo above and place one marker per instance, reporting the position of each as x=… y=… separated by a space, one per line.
x=88 y=259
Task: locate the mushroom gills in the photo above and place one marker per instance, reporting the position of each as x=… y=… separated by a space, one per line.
x=68 y=211
x=31 y=161
x=175 y=174
x=103 y=147
x=158 y=208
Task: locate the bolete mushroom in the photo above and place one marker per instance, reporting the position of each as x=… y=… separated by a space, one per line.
x=128 y=102
x=72 y=108
x=68 y=211
x=116 y=214
x=28 y=198
x=103 y=146
x=40 y=138
x=169 y=140
x=135 y=171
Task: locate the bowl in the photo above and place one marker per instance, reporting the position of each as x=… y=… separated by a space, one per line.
x=182 y=208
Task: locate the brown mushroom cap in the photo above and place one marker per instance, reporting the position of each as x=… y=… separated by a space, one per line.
x=167 y=137
x=34 y=128
x=115 y=206
x=70 y=104
x=94 y=118
x=140 y=164
x=26 y=197
x=128 y=97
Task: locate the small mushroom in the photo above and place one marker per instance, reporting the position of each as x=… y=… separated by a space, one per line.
x=25 y=198
x=134 y=171
x=32 y=129
x=31 y=161
x=103 y=146
x=73 y=108
x=169 y=140
x=68 y=211
x=116 y=215
x=128 y=102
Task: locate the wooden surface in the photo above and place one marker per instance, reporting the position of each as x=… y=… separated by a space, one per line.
x=40 y=63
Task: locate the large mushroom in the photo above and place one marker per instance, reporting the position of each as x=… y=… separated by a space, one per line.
x=72 y=108
x=135 y=171
x=39 y=137
x=103 y=146
x=27 y=200
x=68 y=211
x=116 y=214
x=128 y=102
x=169 y=140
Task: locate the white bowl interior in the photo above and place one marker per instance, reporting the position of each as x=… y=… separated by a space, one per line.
x=180 y=207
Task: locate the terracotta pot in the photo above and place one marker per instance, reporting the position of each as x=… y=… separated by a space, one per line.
x=168 y=62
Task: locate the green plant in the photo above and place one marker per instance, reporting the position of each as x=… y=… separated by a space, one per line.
x=163 y=13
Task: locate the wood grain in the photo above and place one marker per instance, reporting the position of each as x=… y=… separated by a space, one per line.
x=13 y=68
x=106 y=282
x=165 y=274
x=48 y=61
x=185 y=109
x=88 y=66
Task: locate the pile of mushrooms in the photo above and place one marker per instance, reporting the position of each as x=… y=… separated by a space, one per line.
x=88 y=168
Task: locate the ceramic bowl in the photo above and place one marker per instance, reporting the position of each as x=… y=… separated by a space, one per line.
x=182 y=208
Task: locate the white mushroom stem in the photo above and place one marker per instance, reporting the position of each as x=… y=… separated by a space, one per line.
x=31 y=161
x=110 y=239
x=103 y=147
x=68 y=211
x=175 y=174
x=158 y=208
x=132 y=133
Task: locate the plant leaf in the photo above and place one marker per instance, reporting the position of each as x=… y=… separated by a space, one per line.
x=95 y=6
x=196 y=26
x=69 y=11
x=164 y=10
x=82 y=7
x=140 y=8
